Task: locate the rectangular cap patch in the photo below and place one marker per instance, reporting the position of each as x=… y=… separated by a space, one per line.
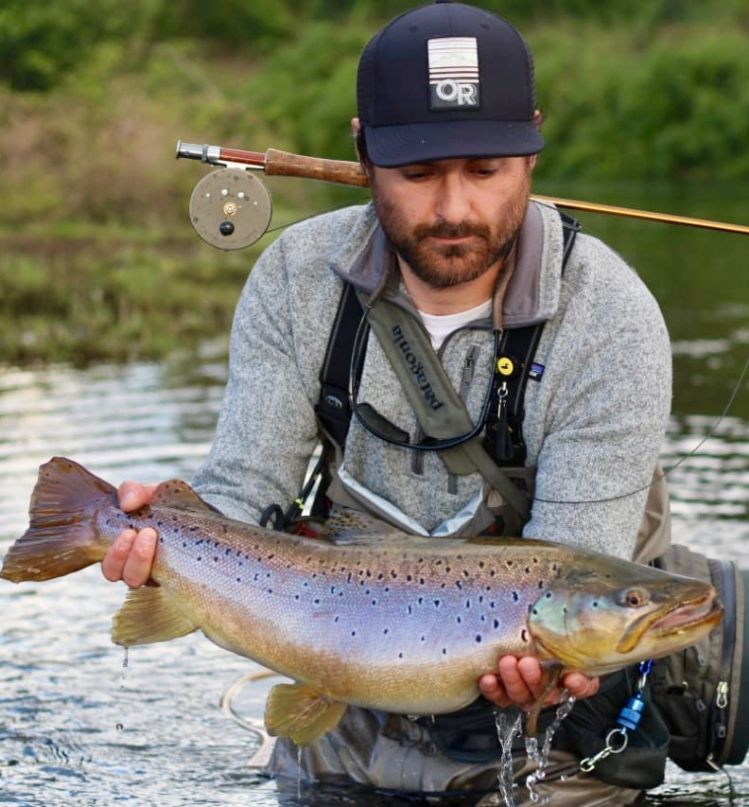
x=453 y=73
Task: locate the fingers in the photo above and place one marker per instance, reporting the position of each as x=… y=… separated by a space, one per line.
x=130 y=557
x=521 y=683
x=580 y=685
x=133 y=495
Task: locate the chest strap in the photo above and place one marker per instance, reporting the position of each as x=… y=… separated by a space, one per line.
x=504 y=422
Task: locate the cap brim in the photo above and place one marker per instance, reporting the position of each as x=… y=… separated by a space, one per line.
x=392 y=146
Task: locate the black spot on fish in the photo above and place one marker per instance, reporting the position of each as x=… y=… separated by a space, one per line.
x=444 y=651
x=524 y=635
x=548 y=595
x=215 y=558
x=409 y=578
x=386 y=631
x=199 y=558
x=595 y=604
x=458 y=584
x=423 y=638
x=509 y=562
x=421 y=581
x=316 y=601
x=495 y=624
x=458 y=619
x=478 y=638
x=468 y=604
x=540 y=583
x=184 y=543
x=437 y=603
x=400 y=655
x=527 y=569
x=353 y=633
x=239 y=580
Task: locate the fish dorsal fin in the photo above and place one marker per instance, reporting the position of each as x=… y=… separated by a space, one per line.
x=354 y=528
x=301 y=712
x=148 y=615
x=178 y=494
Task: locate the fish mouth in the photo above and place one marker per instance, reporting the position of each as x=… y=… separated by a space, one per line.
x=685 y=617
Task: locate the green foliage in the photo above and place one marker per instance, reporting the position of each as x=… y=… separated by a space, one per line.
x=306 y=89
x=675 y=105
x=40 y=41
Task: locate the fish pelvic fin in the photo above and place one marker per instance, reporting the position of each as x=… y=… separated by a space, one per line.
x=301 y=712
x=147 y=616
x=61 y=537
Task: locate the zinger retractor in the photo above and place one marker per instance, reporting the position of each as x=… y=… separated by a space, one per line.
x=230 y=208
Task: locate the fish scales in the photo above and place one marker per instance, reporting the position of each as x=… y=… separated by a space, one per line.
x=400 y=623
x=358 y=620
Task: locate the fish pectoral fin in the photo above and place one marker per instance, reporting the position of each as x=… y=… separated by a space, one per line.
x=148 y=615
x=301 y=712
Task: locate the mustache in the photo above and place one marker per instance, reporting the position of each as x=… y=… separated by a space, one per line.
x=447 y=230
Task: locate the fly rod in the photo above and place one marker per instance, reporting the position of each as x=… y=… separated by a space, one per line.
x=274 y=162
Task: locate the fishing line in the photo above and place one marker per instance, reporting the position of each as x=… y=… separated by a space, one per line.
x=664 y=475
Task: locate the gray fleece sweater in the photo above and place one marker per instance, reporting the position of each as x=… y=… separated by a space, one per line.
x=594 y=421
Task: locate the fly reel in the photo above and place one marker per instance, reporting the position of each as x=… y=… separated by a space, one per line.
x=230 y=208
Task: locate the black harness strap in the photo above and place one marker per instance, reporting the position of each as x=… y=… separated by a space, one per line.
x=504 y=434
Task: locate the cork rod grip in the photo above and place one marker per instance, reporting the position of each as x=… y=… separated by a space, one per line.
x=282 y=163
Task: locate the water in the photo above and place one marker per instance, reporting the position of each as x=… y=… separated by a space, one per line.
x=75 y=726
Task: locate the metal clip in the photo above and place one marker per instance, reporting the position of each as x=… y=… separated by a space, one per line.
x=589 y=763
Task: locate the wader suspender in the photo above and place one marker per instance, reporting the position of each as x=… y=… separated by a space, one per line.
x=504 y=439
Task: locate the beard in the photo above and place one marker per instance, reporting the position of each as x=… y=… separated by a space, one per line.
x=448 y=265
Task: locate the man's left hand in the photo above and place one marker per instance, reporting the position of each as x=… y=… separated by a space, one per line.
x=520 y=682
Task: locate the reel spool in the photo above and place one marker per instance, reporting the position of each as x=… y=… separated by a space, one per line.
x=230 y=208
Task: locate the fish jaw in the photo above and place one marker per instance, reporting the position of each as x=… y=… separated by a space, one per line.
x=596 y=625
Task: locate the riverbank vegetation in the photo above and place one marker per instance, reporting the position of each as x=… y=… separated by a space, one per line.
x=97 y=258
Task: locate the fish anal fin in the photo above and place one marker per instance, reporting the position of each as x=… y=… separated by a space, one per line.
x=301 y=712
x=178 y=494
x=147 y=616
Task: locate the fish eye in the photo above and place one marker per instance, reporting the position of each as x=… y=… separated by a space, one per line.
x=635 y=598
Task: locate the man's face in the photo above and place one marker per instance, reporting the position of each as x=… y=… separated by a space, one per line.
x=451 y=221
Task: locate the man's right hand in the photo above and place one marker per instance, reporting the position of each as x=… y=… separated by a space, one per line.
x=131 y=555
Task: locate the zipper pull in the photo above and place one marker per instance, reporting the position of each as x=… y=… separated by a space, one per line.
x=721 y=695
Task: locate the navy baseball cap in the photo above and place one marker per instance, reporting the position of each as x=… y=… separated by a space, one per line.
x=446 y=80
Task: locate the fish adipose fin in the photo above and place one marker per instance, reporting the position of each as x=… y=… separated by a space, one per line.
x=61 y=537
x=178 y=494
x=148 y=616
x=301 y=712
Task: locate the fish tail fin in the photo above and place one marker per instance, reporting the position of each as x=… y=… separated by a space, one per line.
x=300 y=712
x=61 y=537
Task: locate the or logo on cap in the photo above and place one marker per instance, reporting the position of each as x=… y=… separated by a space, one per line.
x=453 y=73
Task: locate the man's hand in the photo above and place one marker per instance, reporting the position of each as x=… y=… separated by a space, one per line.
x=520 y=682
x=131 y=555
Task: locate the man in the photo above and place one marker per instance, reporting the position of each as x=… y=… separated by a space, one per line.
x=450 y=253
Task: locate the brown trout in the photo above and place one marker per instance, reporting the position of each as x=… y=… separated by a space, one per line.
x=404 y=625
